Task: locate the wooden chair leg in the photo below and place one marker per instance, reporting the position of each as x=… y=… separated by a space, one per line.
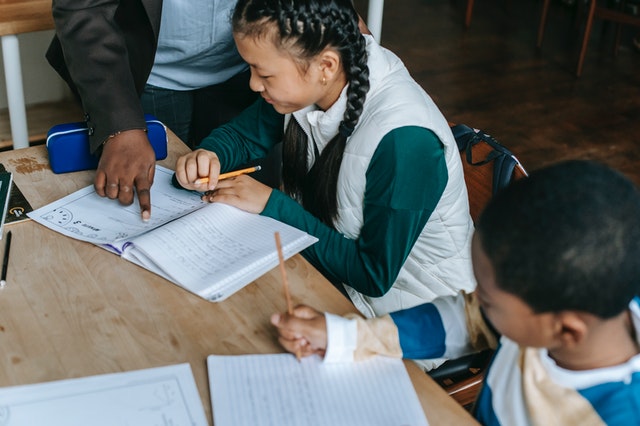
x=543 y=21
x=585 y=38
x=616 y=41
x=467 y=16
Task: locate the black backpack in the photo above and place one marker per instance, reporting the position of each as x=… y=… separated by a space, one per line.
x=504 y=162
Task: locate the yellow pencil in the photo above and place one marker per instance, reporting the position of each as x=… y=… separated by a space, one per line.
x=285 y=283
x=230 y=174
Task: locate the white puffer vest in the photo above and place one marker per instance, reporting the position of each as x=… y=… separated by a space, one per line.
x=440 y=261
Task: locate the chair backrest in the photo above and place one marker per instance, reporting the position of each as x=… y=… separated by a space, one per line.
x=488 y=166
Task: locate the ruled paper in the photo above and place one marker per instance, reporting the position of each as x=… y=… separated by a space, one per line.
x=278 y=390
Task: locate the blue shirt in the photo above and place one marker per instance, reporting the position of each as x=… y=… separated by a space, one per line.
x=195 y=46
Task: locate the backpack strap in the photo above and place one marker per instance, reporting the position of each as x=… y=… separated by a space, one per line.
x=504 y=161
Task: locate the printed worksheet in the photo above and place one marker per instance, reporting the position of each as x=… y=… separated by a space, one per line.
x=160 y=396
x=86 y=216
x=256 y=390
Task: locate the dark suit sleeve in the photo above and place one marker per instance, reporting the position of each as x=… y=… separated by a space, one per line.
x=108 y=48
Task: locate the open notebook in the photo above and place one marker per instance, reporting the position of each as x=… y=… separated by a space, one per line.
x=212 y=250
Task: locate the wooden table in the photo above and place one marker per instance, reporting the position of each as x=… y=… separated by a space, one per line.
x=71 y=309
x=17 y=17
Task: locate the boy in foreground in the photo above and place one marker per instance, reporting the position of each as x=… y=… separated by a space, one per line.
x=557 y=261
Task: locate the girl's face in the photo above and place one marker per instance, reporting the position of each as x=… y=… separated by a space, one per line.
x=280 y=80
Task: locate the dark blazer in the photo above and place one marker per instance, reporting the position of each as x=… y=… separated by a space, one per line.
x=105 y=51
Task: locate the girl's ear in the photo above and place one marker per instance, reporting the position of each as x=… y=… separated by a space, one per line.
x=571 y=329
x=330 y=64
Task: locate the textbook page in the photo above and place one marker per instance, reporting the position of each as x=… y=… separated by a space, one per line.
x=86 y=216
x=151 y=397
x=216 y=250
x=255 y=390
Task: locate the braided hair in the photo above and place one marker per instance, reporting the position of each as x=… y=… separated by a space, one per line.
x=304 y=28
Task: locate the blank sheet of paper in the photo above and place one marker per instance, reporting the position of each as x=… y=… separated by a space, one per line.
x=256 y=390
x=153 y=397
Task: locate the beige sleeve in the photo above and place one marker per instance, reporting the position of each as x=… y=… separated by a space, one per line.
x=376 y=336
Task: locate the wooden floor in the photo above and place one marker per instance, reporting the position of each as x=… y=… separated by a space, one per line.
x=492 y=77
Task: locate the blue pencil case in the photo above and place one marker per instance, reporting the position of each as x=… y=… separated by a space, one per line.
x=69 y=151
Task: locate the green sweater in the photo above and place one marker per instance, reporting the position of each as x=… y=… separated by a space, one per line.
x=407 y=161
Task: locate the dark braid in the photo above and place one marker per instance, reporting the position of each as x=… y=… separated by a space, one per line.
x=305 y=28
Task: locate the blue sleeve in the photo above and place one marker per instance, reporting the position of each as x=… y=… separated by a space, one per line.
x=421 y=331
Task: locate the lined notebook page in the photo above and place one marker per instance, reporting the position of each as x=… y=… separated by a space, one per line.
x=278 y=390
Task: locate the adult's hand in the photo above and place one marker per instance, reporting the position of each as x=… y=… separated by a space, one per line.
x=127 y=164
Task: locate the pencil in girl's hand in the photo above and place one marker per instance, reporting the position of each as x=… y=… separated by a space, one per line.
x=285 y=283
x=230 y=174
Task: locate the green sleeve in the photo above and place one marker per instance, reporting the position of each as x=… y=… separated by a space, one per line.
x=405 y=180
x=247 y=137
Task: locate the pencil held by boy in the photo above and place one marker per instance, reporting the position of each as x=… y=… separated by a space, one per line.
x=556 y=259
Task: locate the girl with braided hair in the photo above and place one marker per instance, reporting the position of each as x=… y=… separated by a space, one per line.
x=370 y=166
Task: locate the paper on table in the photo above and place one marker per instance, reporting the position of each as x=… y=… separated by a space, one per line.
x=256 y=390
x=151 y=397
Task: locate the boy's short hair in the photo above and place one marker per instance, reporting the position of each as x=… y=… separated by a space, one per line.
x=566 y=238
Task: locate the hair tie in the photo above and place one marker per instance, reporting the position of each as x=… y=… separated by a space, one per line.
x=345 y=130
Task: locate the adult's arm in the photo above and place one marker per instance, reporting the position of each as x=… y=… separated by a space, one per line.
x=97 y=39
x=405 y=180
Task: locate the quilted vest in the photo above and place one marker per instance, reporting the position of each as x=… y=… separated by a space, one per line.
x=440 y=261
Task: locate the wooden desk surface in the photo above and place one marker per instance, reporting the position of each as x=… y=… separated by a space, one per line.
x=71 y=309
x=23 y=16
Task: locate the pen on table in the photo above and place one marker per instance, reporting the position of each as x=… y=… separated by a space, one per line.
x=230 y=174
x=285 y=283
x=5 y=260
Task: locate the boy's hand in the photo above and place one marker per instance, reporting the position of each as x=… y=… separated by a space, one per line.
x=304 y=332
x=195 y=165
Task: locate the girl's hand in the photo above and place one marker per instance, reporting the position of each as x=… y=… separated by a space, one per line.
x=242 y=192
x=304 y=332
x=196 y=165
